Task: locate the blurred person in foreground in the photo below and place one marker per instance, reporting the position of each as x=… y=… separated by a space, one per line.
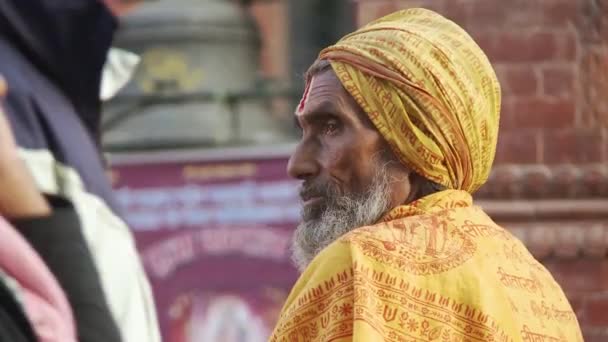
x=399 y=127
x=52 y=54
x=49 y=287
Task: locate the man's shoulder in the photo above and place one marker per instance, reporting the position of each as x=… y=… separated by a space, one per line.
x=468 y=221
x=445 y=224
x=428 y=244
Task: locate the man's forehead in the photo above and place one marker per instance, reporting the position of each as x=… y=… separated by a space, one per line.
x=322 y=93
x=305 y=97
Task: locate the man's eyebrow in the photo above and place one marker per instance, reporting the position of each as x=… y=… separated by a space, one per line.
x=325 y=107
x=323 y=111
x=314 y=118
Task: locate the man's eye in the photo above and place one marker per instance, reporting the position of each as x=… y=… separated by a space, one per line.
x=331 y=127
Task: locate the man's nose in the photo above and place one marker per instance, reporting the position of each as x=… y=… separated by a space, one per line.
x=303 y=163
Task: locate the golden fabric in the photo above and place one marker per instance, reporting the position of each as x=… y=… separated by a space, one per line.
x=438 y=269
x=430 y=91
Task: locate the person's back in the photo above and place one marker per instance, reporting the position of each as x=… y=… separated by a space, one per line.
x=52 y=54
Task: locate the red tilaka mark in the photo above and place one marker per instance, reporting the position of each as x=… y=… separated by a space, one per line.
x=304 y=97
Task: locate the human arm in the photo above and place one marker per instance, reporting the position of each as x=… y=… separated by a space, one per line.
x=19 y=196
x=58 y=239
x=52 y=228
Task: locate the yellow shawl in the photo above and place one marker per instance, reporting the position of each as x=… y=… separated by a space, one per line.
x=436 y=270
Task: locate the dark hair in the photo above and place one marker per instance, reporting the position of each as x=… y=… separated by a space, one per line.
x=316 y=67
x=424 y=186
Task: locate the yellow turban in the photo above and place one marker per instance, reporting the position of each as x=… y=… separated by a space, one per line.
x=429 y=90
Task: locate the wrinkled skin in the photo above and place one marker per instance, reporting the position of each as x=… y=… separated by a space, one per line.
x=337 y=149
x=350 y=176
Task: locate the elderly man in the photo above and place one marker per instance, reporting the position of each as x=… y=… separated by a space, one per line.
x=399 y=125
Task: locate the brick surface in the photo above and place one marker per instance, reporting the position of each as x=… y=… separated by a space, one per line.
x=459 y=11
x=577 y=302
x=595 y=77
x=585 y=282
x=604 y=141
x=537 y=112
x=567 y=46
x=580 y=276
x=517 y=147
x=595 y=335
x=593 y=23
x=370 y=10
x=487 y=13
x=572 y=146
x=559 y=81
x=523 y=47
x=517 y=80
x=596 y=311
x=560 y=13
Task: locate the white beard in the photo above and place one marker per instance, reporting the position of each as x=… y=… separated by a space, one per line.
x=342 y=214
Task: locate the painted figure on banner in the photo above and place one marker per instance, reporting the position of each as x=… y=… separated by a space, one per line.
x=220 y=317
x=227 y=318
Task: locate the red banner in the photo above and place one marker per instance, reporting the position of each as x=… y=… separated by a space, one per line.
x=214 y=238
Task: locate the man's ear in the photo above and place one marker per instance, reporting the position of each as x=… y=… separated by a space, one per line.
x=388 y=158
